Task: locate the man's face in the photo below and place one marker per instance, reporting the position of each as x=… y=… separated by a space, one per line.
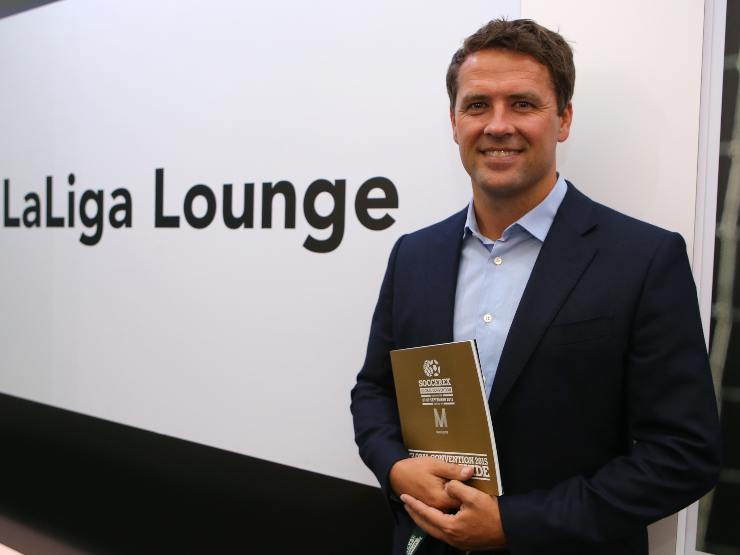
x=506 y=122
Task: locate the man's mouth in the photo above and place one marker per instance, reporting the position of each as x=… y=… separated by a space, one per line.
x=500 y=152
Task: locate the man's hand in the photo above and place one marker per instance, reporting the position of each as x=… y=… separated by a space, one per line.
x=424 y=478
x=477 y=525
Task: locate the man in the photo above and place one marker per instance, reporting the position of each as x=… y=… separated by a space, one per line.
x=587 y=327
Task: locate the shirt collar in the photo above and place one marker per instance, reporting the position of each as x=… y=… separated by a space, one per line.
x=537 y=221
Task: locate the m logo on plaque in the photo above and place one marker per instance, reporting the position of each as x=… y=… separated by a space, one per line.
x=440 y=418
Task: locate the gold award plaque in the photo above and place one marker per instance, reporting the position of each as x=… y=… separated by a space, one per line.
x=444 y=410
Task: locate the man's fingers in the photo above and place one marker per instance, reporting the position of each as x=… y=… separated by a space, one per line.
x=465 y=494
x=466 y=473
x=452 y=471
x=429 y=519
x=476 y=526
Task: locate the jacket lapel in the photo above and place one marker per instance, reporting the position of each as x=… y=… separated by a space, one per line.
x=564 y=256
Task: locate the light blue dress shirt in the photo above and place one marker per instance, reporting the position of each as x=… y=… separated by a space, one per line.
x=492 y=277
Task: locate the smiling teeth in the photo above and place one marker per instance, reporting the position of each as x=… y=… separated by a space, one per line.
x=500 y=153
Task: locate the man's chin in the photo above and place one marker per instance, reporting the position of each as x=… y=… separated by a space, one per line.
x=509 y=188
x=502 y=190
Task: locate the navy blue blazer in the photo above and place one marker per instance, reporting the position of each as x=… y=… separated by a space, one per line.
x=602 y=405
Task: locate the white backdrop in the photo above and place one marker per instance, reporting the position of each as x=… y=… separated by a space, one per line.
x=240 y=339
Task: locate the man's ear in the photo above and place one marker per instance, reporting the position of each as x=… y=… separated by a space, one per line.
x=454 y=126
x=565 y=120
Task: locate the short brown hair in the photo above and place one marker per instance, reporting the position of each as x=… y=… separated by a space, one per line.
x=525 y=36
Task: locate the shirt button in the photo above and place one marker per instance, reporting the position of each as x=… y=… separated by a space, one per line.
x=498 y=260
x=487 y=318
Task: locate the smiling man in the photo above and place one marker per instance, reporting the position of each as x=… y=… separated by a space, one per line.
x=507 y=121
x=587 y=327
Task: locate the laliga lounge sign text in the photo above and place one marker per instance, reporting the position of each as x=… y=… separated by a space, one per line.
x=376 y=193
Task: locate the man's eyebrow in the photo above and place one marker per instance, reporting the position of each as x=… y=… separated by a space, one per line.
x=529 y=96
x=526 y=95
x=474 y=97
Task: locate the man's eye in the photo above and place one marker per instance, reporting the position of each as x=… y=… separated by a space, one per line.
x=476 y=106
x=522 y=104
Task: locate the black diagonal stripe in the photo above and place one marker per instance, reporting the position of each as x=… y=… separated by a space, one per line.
x=105 y=488
x=12 y=7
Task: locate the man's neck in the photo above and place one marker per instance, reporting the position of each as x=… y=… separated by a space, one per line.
x=494 y=213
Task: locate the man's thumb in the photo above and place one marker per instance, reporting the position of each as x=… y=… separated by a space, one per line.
x=461 y=492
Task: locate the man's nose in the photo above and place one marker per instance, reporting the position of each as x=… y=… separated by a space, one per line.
x=499 y=123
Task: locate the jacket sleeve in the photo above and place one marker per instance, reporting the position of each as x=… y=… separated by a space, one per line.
x=376 y=423
x=672 y=418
